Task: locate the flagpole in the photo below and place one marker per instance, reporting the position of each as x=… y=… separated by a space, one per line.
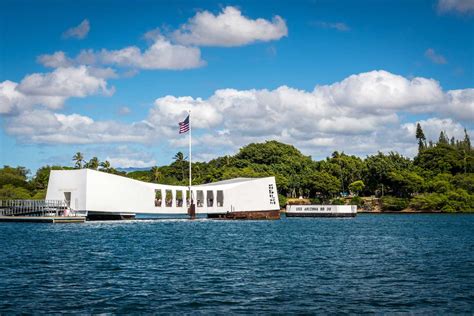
x=191 y=206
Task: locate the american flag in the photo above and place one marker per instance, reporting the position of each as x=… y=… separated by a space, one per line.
x=184 y=126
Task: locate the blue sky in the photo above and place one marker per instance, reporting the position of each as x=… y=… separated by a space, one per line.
x=379 y=67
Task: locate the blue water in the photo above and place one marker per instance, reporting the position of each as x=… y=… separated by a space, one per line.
x=372 y=263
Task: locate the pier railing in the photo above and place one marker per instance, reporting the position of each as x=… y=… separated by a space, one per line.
x=35 y=208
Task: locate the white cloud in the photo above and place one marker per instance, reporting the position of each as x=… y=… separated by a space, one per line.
x=170 y=110
x=12 y=100
x=124 y=110
x=102 y=73
x=127 y=162
x=162 y=54
x=46 y=127
x=78 y=32
x=433 y=126
x=381 y=90
x=435 y=57
x=153 y=35
x=119 y=156
x=65 y=82
x=56 y=60
x=459 y=6
x=460 y=104
x=359 y=115
x=52 y=89
x=340 y=26
x=229 y=28
x=125 y=157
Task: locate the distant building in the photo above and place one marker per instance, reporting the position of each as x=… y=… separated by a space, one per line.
x=103 y=195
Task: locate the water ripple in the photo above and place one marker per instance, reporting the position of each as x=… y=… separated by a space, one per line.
x=371 y=264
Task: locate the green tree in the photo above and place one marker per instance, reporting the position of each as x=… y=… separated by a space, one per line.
x=444 y=158
x=105 y=166
x=270 y=152
x=378 y=168
x=324 y=184
x=357 y=200
x=93 y=163
x=10 y=192
x=180 y=162
x=428 y=202
x=390 y=203
x=405 y=183
x=14 y=176
x=337 y=201
x=39 y=195
x=467 y=140
x=344 y=167
x=440 y=186
x=464 y=181
x=420 y=136
x=142 y=175
x=443 y=138
x=155 y=174
x=41 y=178
x=283 y=200
x=78 y=158
x=357 y=186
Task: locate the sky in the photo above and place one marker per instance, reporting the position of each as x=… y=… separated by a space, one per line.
x=112 y=79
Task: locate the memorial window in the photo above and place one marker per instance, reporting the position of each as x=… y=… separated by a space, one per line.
x=169 y=198
x=179 y=198
x=158 y=198
x=210 y=198
x=220 y=198
x=199 y=198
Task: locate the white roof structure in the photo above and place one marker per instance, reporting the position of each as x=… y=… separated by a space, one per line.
x=99 y=192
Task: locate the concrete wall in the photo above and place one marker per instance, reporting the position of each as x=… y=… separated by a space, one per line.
x=73 y=181
x=253 y=196
x=246 y=195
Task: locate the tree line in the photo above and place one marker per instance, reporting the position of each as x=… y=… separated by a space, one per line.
x=439 y=177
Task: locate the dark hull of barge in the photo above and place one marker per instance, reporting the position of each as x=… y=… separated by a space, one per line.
x=247 y=215
x=308 y=214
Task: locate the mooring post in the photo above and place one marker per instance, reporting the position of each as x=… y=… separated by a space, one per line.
x=192 y=211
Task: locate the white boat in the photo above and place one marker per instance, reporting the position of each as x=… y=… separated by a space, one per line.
x=321 y=210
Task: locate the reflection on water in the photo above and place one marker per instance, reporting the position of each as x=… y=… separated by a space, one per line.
x=372 y=263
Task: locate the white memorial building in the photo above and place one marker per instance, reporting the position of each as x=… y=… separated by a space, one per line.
x=102 y=194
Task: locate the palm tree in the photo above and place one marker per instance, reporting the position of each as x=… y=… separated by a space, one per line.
x=180 y=159
x=155 y=174
x=93 y=163
x=179 y=156
x=78 y=158
x=105 y=166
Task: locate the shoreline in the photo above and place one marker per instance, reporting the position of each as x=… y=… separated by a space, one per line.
x=412 y=212
x=407 y=211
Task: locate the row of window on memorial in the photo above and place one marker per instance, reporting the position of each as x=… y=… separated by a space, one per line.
x=200 y=199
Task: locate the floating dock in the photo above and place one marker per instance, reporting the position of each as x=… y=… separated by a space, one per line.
x=321 y=210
